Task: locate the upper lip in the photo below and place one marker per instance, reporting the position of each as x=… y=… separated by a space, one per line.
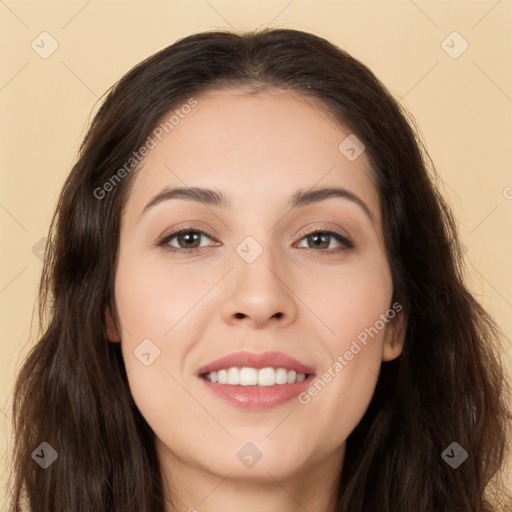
x=256 y=360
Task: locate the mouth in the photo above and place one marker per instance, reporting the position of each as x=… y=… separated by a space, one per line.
x=256 y=381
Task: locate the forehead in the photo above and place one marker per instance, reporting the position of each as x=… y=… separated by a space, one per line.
x=256 y=148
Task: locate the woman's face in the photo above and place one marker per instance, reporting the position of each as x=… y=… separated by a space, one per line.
x=256 y=281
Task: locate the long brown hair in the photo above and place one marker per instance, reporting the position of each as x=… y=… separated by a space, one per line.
x=447 y=386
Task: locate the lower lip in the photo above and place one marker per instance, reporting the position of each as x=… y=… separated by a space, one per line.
x=258 y=397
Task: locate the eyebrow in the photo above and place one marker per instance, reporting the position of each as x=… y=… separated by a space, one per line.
x=210 y=197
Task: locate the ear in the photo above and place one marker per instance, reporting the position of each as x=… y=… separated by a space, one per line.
x=112 y=329
x=394 y=337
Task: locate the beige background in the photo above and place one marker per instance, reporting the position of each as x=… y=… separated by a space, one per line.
x=462 y=105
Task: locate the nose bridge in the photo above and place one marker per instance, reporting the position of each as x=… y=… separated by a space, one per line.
x=257 y=263
x=258 y=288
x=259 y=248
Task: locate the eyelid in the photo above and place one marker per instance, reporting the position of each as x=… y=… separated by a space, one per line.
x=162 y=241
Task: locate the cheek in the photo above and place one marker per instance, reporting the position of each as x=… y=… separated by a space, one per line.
x=350 y=300
x=159 y=313
x=156 y=335
x=154 y=300
x=352 y=307
x=339 y=396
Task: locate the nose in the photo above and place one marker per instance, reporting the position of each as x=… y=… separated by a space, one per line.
x=260 y=294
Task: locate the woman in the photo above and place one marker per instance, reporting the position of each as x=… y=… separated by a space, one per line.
x=318 y=351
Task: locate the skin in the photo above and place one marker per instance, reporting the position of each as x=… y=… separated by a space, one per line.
x=259 y=150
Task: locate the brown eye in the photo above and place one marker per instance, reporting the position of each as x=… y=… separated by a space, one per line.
x=188 y=240
x=321 y=240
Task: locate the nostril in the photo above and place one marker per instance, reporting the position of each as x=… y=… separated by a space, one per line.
x=240 y=315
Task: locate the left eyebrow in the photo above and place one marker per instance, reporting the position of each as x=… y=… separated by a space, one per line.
x=211 y=197
x=305 y=197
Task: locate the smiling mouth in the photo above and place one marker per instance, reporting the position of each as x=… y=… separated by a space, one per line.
x=254 y=377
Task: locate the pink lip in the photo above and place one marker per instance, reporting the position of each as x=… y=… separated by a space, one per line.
x=257 y=398
x=258 y=361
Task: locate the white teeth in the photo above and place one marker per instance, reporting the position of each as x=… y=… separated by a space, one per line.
x=266 y=377
x=248 y=377
x=252 y=377
x=281 y=376
x=233 y=376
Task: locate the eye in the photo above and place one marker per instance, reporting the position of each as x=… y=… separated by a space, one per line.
x=189 y=241
x=188 y=238
x=321 y=239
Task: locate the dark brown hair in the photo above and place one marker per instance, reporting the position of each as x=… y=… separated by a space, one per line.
x=447 y=385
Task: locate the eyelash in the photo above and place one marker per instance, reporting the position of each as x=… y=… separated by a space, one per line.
x=164 y=241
